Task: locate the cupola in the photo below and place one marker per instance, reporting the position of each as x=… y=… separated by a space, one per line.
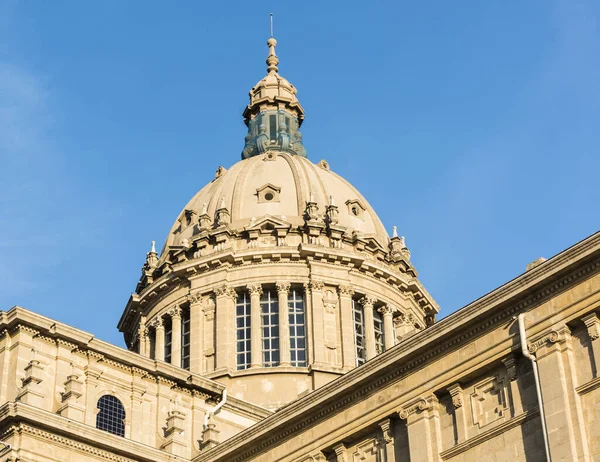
x=274 y=115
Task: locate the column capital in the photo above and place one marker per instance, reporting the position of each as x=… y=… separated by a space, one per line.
x=548 y=339
x=195 y=298
x=316 y=286
x=174 y=312
x=385 y=310
x=254 y=289
x=346 y=291
x=226 y=291
x=340 y=452
x=157 y=323
x=416 y=406
x=592 y=323
x=283 y=286
x=367 y=300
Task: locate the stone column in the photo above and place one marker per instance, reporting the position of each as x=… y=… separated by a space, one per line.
x=196 y=332
x=592 y=323
x=347 y=325
x=318 y=322
x=225 y=327
x=159 y=342
x=564 y=416
x=423 y=425
x=283 y=288
x=388 y=327
x=510 y=362
x=367 y=302
x=142 y=332
x=310 y=347
x=175 y=314
x=456 y=392
x=255 y=325
x=387 y=439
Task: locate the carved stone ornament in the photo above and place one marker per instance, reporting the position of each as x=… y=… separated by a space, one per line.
x=592 y=323
x=385 y=310
x=510 y=362
x=413 y=407
x=157 y=323
x=226 y=291
x=174 y=312
x=367 y=301
x=283 y=286
x=551 y=337
x=456 y=392
x=346 y=291
x=317 y=286
x=254 y=289
x=386 y=430
x=195 y=298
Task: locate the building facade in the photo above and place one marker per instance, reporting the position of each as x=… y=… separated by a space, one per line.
x=280 y=322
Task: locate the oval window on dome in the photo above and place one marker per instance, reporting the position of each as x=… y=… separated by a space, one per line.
x=269 y=196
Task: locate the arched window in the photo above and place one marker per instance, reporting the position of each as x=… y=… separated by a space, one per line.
x=111 y=417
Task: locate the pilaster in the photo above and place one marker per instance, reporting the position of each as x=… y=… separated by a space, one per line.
x=225 y=320
x=196 y=333
x=255 y=291
x=175 y=314
x=423 y=425
x=318 y=321
x=347 y=326
x=387 y=439
x=283 y=288
x=564 y=416
x=510 y=362
x=175 y=442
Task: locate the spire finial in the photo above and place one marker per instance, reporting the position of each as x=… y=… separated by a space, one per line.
x=272 y=59
x=153 y=249
x=394 y=231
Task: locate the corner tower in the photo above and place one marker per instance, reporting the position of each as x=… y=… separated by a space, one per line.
x=277 y=276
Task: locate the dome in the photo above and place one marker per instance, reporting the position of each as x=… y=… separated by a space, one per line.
x=279 y=185
x=277 y=276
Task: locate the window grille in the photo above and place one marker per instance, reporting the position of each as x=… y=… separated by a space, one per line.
x=269 y=306
x=242 y=327
x=185 y=339
x=378 y=331
x=359 y=333
x=168 y=338
x=111 y=415
x=297 y=328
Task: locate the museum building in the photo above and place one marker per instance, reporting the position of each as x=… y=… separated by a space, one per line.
x=281 y=322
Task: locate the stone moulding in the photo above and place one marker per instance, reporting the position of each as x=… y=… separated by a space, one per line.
x=528 y=290
x=588 y=386
x=489 y=434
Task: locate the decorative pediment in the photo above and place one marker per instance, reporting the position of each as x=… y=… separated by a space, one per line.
x=268 y=193
x=268 y=223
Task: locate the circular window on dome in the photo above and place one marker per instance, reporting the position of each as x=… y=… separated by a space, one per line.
x=268 y=193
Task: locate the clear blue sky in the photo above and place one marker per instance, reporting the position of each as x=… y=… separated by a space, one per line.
x=473 y=126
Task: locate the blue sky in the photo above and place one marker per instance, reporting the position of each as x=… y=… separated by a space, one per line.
x=472 y=126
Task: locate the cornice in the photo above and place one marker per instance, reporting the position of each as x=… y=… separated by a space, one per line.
x=493 y=309
x=303 y=253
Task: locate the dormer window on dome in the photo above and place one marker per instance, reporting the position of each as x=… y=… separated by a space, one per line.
x=268 y=193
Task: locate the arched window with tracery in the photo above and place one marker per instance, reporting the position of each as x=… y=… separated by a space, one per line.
x=111 y=415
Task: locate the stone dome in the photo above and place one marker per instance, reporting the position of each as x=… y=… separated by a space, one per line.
x=279 y=185
x=277 y=276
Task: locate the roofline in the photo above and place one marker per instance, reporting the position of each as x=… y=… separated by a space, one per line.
x=521 y=287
